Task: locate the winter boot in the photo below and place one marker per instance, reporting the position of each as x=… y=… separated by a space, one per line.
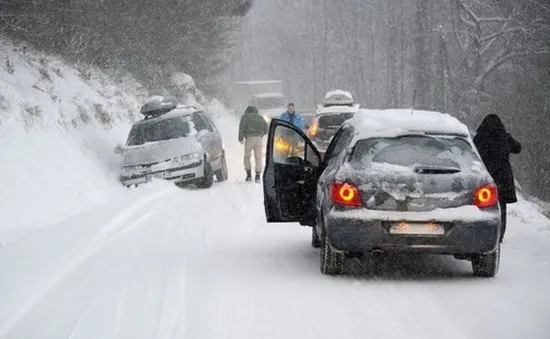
x=248 y=175
x=257 y=179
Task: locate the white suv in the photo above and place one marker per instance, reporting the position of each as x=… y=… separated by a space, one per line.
x=173 y=142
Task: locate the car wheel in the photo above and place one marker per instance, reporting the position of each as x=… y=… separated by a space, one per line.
x=332 y=262
x=486 y=265
x=315 y=242
x=208 y=179
x=222 y=174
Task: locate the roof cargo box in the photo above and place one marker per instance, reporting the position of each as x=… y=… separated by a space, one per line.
x=158 y=105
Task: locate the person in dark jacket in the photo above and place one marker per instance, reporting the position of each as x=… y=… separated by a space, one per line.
x=495 y=145
x=252 y=129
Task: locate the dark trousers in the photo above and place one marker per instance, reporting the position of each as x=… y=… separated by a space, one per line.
x=502 y=219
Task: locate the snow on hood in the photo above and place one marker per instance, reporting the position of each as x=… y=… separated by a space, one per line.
x=158 y=151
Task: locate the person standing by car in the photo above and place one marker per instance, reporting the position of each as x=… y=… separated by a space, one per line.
x=293 y=117
x=252 y=129
x=495 y=145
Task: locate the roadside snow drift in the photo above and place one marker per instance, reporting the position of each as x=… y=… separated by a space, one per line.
x=58 y=126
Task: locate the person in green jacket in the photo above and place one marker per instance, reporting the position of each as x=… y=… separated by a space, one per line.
x=252 y=129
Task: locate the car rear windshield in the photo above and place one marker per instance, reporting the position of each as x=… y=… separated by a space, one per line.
x=415 y=150
x=165 y=129
x=333 y=120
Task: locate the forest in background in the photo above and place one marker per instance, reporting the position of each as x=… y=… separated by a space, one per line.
x=148 y=39
x=466 y=57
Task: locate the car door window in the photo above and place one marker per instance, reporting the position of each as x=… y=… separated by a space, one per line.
x=330 y=149
x=198 y=123
x=337 y=145
x=336 y=153
x=341 y=143
x=207 y=122
x=291 y=148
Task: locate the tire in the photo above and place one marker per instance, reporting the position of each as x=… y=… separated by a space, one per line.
x=208 y=179
x=486 y=265
x=315 y=242
x=222 y=174
x=332 y=262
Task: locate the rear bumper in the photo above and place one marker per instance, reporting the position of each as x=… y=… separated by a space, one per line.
x=184 y=174
x=471 y=235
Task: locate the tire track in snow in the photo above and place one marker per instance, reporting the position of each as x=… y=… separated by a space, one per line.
x=170 y=310
x=99 y=242
x=81 y=285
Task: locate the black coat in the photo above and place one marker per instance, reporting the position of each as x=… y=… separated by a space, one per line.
x=495 y=145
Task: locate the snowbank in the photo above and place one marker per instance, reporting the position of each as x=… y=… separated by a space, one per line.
x=58 y=127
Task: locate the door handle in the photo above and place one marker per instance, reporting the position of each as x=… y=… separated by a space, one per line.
x=308 y=170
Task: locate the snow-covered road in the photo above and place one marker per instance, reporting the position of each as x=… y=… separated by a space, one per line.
x=162 y=262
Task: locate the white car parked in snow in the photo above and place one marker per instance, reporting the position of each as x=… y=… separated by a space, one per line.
x=173 y=142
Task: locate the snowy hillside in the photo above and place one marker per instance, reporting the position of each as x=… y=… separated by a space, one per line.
x=58 y=127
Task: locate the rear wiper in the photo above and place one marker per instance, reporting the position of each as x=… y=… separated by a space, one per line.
x=424 y=169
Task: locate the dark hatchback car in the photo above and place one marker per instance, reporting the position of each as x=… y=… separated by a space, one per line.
x=391 y=180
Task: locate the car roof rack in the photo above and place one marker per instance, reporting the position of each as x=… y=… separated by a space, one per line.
x=157 y=106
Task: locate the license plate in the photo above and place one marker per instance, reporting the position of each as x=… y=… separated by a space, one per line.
x=408 y=228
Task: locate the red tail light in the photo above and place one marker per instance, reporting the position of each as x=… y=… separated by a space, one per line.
x=486 y=196
x=314 y=127
x=345 y=194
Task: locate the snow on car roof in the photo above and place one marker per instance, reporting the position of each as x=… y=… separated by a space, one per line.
x=338 y=93
x=395 y=122
x=180 y=110
x=268 y=95
x=337 y=109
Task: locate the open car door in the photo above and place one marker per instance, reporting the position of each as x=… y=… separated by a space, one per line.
x=290 y=176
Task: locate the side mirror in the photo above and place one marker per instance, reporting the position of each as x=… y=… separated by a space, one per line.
x=118 y=149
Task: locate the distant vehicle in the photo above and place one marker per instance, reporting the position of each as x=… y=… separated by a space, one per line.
x=270 y=105
x=173 y=142
x=392 y=180
x=307 y=114
x=267 y=95
x=327 y=122
x=338 y=98
x=338 y=107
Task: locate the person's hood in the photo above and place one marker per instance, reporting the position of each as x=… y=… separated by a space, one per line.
x=159 y=151
x=251 y=110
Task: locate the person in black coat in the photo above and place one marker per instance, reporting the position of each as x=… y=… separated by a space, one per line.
x=495 y=145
